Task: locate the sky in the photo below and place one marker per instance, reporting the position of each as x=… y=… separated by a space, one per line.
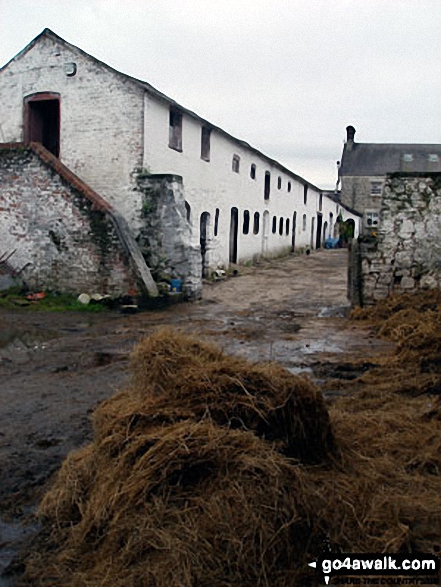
x=286 y=76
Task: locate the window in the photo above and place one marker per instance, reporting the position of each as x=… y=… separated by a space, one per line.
x=279 y=183
x=267 y=185
x=281 y=226
x=253 y=171
x=274 y=224
x=433 y=158
x=216 y=222
x=175 y=129
x=236 y=163
x=376 y=188
x=320 y=202
x=304 y=223
x=256 y=223
x=246 y=222
x=305 y=194
x=205 y=143
x=372 y=219
x=287 y=227
x=407 y=158
x=289 y=186
x=188 y=211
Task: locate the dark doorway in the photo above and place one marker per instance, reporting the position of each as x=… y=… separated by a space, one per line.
x=294 y=228
x=204 y=226
x=234 y=222
x=318 y=239
x=42 y=121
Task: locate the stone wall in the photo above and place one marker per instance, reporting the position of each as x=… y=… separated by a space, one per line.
x=405 y=255
x=166 y=238
x=356 y=193
x=64 y=236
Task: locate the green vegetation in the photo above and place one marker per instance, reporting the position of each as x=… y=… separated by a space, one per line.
x=13 y=299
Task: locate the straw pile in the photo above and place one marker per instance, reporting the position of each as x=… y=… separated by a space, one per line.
x=413 y=321
x=188 y=480
x=197 y=489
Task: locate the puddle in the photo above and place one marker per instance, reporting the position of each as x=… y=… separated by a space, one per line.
x=298 y=370
x=334 y=312
x=11 y=339
x=11 y=535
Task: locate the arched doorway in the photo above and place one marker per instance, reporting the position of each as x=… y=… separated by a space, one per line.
x=234 y=225
x=293 y=235
x=318 y=238
x=204 y=235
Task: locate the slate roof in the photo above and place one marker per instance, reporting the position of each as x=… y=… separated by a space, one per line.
x=382 y=158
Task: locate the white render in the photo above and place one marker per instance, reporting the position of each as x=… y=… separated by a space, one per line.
x=113 y=126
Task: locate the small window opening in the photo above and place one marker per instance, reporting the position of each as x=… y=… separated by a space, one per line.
x=320 y=202
x=304 y=223
x=256 y=223
x=274 y=224
x=236 y=163
x=279 y=183
x=253 y=171
x=305 y=194
x=280 y=226
x=376 y=188
x=205 y=143
x=216 y=222
x=289 y=186
x=188 y=211
x=175 y=129
x=267 y=185
x=372 y=219
x=287 y=227
x=246 y=222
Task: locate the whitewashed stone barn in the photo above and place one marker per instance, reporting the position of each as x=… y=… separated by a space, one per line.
x=180 y=192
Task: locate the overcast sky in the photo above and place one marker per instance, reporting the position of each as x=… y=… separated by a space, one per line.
x=287 y=76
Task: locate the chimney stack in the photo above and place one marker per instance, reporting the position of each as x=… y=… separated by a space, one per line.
x=350 y=134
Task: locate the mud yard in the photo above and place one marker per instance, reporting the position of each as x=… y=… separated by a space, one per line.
x=56 y=367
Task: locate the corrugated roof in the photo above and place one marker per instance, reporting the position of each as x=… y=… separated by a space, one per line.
x=381 y=158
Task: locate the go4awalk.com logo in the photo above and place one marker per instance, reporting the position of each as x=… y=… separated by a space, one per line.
x=379 y=569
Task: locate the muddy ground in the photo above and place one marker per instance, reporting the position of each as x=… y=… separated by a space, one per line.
x=56 y=367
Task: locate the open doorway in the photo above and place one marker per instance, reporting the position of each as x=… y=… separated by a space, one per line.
x=42 y=120
x=293 y=235
x=318 y=239
x=234 y=224
x=204 y=236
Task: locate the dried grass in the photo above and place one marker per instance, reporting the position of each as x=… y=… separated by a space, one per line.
x=188 y=482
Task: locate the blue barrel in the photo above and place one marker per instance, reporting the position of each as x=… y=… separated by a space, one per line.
x=176 y=285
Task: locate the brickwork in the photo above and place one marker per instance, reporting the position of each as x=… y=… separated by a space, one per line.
x=405 y=255
x=62 y=232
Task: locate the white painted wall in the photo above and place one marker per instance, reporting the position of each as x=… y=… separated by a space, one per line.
x=214 y=185
x=111 y=127
x=101 y=117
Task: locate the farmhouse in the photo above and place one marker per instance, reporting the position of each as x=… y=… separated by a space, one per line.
x=397 y=188
x=364 y=167
x=105 y=177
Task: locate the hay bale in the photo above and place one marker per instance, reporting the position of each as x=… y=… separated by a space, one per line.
x=176 y=377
